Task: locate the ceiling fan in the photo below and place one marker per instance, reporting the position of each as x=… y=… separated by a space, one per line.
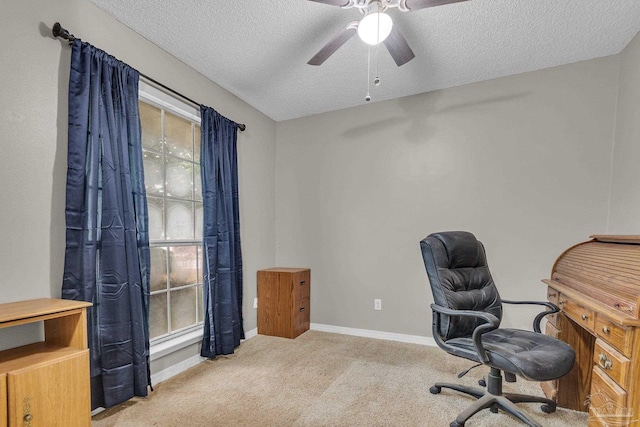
x=376 y=27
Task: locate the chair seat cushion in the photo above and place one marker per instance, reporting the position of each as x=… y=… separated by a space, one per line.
x=533 y=356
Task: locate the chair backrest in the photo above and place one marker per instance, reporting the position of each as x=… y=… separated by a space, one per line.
x=460 y=279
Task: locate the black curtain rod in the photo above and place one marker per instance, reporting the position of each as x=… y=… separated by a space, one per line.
x=58 y=31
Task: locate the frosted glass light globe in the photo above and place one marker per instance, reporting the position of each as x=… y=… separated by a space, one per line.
x=375 y=28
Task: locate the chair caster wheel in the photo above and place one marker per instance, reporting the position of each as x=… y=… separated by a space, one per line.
x=456 y=424
x=435 y=390
x=482 y=383
x=548 y=409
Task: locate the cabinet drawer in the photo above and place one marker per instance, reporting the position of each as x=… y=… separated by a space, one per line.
x=301 y=316
x=581 y=315
x=618 y=336
x=607 y=401
x=301 y=284
x=612 y=363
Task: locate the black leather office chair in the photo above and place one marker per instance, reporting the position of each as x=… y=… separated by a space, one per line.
x=466 y=320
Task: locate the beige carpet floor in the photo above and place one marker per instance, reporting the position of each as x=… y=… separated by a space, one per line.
x=322 y=379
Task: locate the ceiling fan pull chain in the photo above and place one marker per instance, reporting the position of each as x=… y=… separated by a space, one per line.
x=376 y=81
x=368 y=97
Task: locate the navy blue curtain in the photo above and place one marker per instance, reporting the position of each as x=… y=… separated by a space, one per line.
x=107 y=242
x=223 y=328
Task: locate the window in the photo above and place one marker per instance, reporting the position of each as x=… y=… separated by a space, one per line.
x=171 y=150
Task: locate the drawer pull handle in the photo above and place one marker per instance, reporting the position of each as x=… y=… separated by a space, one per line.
x=302 y=282
x=28 y=417
x=561 y=302
x=552 y=295
x=301 y=309
x=606 y=330
x=605 y=363
x=584 y=317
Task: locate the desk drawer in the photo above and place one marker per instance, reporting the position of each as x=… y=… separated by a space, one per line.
x=552 y=330
x=552 y=319
x=618 y=336
x=581 y=315
x=607 y=401
x=552 y=295
x=550 y=388
x=614 y=364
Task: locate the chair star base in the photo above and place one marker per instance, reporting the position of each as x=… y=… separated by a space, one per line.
x=494 y=399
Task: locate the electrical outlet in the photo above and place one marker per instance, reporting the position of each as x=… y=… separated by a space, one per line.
x=255 y=303
x=377 y=304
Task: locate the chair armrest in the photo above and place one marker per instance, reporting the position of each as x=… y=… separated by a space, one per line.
x=492 y=322
x=536 y=322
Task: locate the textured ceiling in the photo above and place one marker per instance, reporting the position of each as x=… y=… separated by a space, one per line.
x=258 y=50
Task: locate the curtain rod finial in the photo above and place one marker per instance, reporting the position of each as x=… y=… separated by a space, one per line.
x=58 y=31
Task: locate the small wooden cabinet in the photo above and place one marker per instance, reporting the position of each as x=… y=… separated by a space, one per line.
x=283 y=301
x=46 y=383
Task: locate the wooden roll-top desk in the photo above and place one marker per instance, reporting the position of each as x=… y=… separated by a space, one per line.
x=596 y=285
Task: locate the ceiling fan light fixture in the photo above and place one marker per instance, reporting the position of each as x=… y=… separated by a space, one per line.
x=375 y=28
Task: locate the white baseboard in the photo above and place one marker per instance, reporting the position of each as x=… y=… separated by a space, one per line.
x=367 y=333
x=178 y=368
x=97 y=411
x=250 y=334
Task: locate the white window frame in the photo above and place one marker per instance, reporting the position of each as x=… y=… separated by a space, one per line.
x=147 y=93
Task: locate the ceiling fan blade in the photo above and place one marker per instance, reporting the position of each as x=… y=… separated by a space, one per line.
x=422 y=4
x=398 y=47
x=334 y=44
x=340 y=3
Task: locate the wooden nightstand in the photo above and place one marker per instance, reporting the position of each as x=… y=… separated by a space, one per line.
x=46 y=383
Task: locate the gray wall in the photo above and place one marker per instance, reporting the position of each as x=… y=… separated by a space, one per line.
x=625 y=187
x=33 y=119
x=523 y=162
